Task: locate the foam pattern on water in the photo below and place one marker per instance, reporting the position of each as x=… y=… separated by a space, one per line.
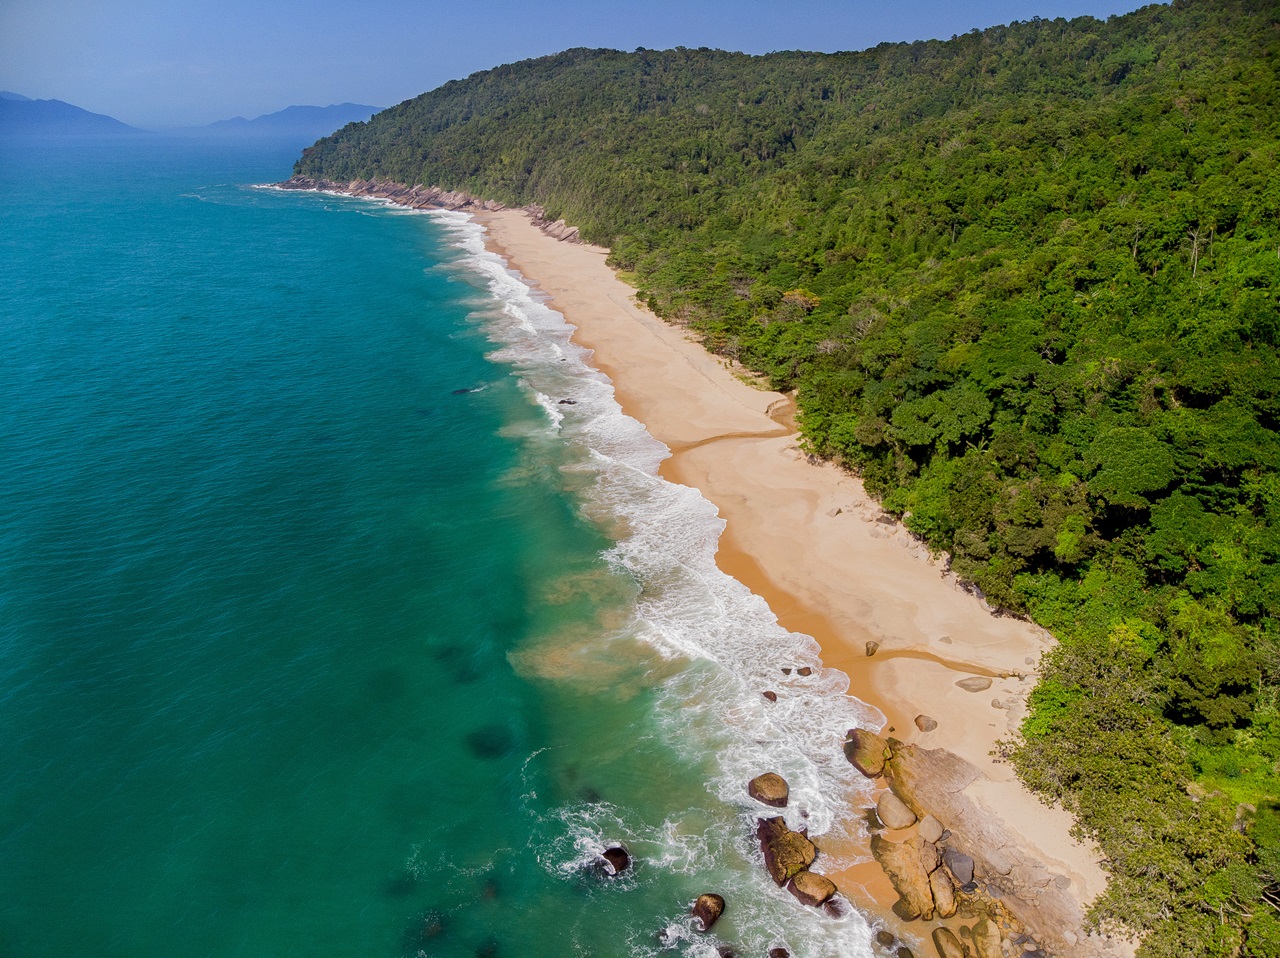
x=687 y=609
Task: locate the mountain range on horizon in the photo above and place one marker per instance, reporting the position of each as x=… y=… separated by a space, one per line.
x=21 y=114
x=301 y=120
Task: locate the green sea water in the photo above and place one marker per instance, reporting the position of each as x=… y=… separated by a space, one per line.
x=326 y=628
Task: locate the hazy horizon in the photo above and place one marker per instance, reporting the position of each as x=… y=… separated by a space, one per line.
x=161 y=65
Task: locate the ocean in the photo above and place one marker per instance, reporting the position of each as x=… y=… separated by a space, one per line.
x=329 y=628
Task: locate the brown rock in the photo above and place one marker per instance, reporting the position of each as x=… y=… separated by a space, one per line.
x=925 y=724
x=944 y=893
x=811 y=888
x=947 y=943
x=901 y=862
x=707 y=909
x=804 y=670
x=930 y=829
x=936 y=781
x=769 y=788
x=872 y=648
x=976 y=683
x=986 y=939
x=786 y=853
x=894 y=812
x=779 y=953
x=866 y=751
x=770 y=695
x=930 y=857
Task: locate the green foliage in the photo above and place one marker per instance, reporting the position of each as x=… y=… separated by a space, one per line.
x=1025 y=282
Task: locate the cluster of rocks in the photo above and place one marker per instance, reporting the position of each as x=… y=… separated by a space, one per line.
x=430 y=197
x=415 y=197
x=706 y=909
x=556 y=229
x=803 y=671
x=789 y=854
x=934 y=871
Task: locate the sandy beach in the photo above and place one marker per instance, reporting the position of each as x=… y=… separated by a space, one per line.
x=808 y=539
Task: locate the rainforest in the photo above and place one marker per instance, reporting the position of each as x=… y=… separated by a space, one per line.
x=1026 y=283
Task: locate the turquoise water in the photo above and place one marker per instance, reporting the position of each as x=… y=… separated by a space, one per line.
x=325 y=628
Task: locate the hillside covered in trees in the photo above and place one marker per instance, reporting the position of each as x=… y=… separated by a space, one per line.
x=1025 y=282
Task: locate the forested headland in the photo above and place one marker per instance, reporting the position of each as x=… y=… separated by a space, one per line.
x=1026 y=283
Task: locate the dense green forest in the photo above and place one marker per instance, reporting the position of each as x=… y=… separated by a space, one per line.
x=1025 y=282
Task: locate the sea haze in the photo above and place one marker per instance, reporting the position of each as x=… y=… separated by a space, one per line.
x=326 y=628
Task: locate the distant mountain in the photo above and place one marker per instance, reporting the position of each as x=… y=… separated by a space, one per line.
x=308 y=122
x=22 y=115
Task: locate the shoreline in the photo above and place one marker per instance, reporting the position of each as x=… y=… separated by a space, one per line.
x=807 y=538
x=798 y=534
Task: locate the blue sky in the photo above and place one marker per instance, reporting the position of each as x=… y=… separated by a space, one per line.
x=158 y=63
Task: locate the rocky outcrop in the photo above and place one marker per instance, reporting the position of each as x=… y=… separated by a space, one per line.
x=908 y=868
x=786 y=853
x=866 y=751
x=429 y=197
x=707 y=910
x=414 y=197
x=982 y=850
x=770 y=789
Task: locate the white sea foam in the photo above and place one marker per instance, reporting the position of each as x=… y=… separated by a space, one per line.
x=687 y=608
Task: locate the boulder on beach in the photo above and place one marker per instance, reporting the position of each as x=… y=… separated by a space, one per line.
x=865 y=751
x=901 y=861
x=930 y=829
x=975 y=683
x=944 y=893
x=959 y=864
x=769 y=788
x=925 y=724
x=707 y=909
x=872 y=647
x=786 y=853
x=811 y=888
x=948 y=944
x=771 y=695
x=894 y=812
